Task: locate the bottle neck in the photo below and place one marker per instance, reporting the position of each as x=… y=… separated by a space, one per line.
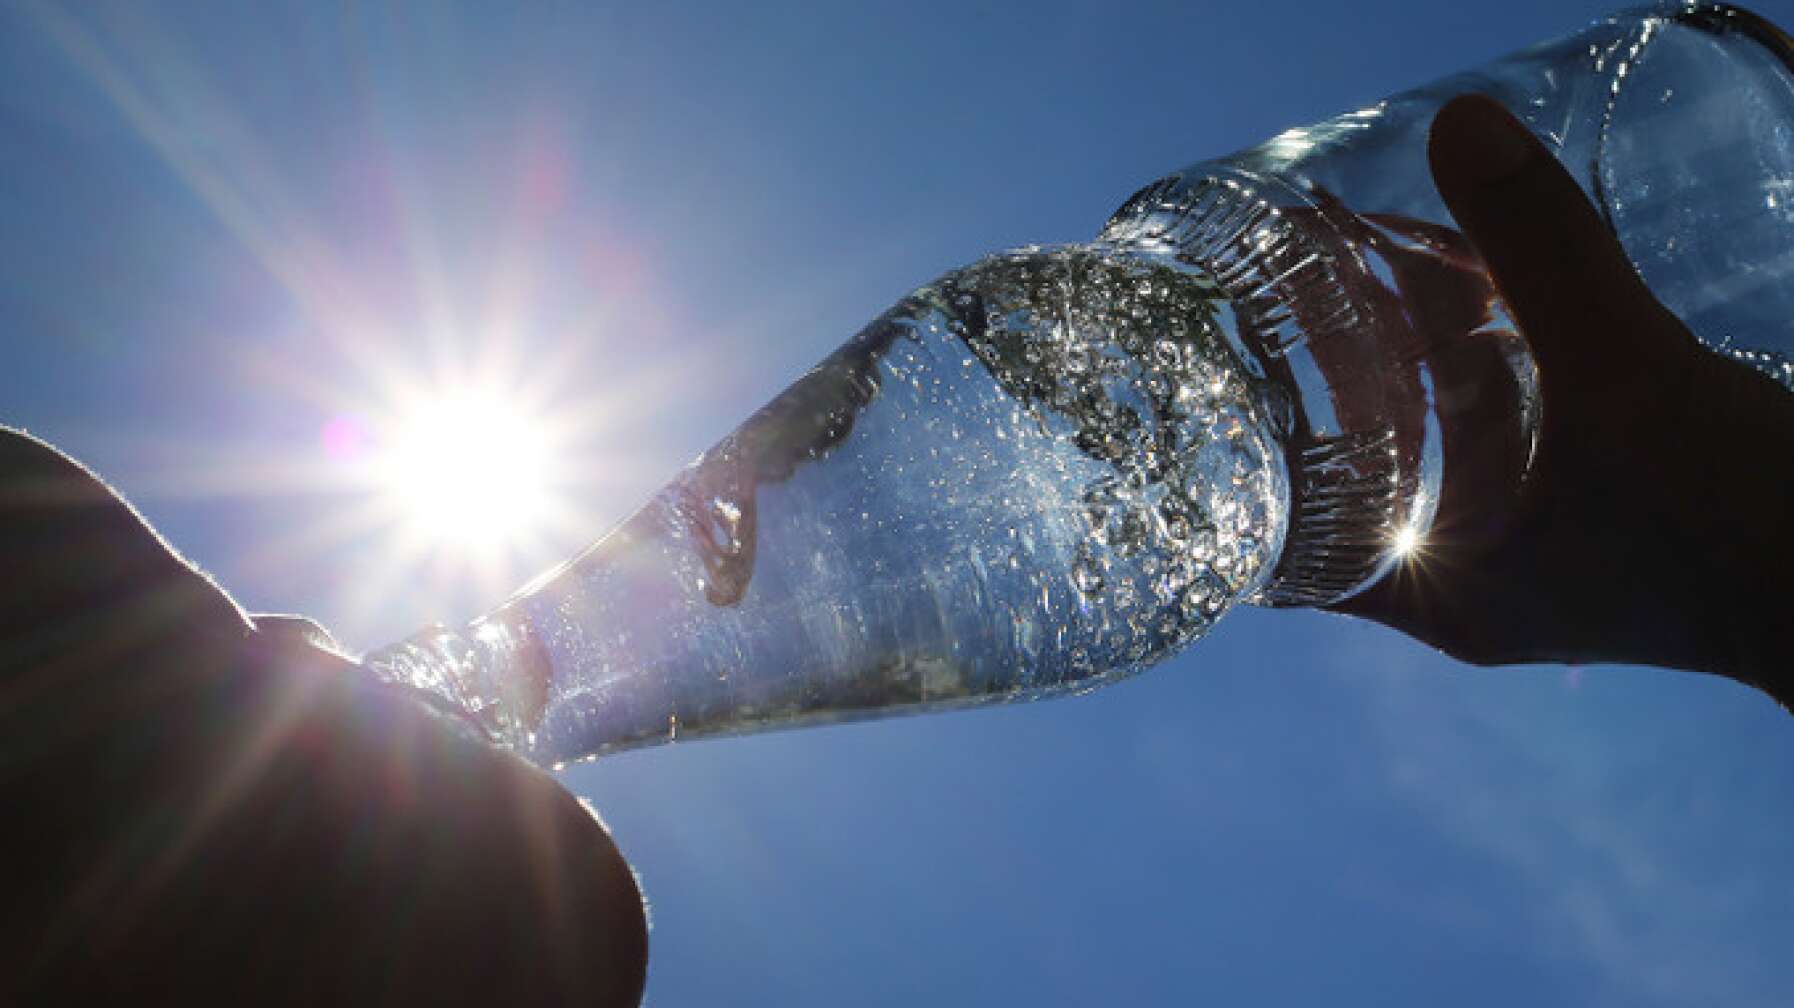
x=1357 y=318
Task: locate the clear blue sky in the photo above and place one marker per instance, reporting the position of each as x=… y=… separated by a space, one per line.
x=220 y=234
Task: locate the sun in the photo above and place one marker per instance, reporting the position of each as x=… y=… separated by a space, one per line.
x=465 y=469
x=451 y=487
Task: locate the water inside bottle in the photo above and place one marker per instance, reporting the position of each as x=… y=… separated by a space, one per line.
x=1038 y=474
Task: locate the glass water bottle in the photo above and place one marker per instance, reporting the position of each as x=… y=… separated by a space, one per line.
x=1052 y=468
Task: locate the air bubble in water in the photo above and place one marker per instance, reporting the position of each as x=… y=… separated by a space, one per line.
x=1087 y=574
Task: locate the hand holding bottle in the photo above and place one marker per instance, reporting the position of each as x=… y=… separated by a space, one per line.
x=1652 y=527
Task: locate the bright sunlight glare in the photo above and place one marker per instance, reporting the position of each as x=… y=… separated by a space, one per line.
x=1407 y=540
x=468 y=468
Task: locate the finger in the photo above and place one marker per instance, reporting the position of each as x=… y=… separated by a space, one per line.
x=1561 y=271
x=320 y=840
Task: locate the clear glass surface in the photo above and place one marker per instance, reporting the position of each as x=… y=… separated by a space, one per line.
x=1036 y=475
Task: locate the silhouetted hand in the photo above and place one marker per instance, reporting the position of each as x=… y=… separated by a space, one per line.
x=202 y=809
x=1653 y=527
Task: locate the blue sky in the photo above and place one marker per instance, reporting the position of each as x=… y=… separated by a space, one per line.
x=220 y=235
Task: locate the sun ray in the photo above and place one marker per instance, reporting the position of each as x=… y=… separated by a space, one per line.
x=450 y=389
x=173 y=109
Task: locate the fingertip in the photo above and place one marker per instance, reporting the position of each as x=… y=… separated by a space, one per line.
x=1475 y=141
x=508 y=886
x=601 y=905
x=632 y=886
x=534 y=896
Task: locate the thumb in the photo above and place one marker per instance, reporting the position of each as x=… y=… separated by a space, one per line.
x=1564 y=276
